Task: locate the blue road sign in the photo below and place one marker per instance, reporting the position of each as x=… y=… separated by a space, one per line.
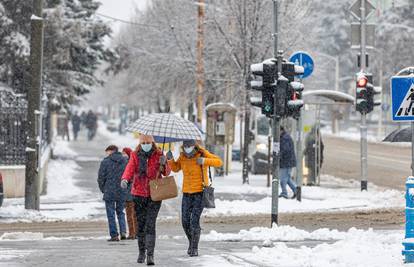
x=402 y=98
x=305 y=60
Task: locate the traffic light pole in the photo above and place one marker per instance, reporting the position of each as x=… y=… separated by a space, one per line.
x=364 y=149
x=299 y=156
x=276 y=124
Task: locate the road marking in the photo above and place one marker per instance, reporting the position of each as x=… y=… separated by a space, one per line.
x=379 y=158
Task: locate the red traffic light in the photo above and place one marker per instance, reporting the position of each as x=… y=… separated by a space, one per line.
x=362 y=81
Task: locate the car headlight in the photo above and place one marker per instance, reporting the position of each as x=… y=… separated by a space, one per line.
x=261 y=147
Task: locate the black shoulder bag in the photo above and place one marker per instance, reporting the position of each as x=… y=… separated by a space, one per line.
x=208 y=191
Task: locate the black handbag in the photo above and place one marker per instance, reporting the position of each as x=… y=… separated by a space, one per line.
x=208 y=192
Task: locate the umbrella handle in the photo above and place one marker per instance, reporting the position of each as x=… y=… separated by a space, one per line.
x=163 y=145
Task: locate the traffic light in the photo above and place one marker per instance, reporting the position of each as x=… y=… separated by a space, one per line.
x=365 y=93
x=294 y=100
x=362 y=93
x=267 y=71
x=284 y=94
x=295 y=103
x=371 y=92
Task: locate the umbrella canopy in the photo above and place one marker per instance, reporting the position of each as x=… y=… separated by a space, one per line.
x=166 y=128
x=399 y=135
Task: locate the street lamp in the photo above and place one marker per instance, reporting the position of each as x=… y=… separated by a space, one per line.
x=335 y=124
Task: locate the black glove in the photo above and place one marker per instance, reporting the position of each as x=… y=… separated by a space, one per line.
x=163 y=160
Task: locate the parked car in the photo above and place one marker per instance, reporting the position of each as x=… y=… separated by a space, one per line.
x=112 y=126
x=1 y=190
x=258 y=147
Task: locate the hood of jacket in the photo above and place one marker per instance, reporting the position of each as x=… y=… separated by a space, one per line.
x=117 y=157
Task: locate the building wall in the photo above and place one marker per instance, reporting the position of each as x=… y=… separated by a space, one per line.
x=14 y=179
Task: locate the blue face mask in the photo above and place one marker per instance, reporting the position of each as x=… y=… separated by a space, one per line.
x=188 y=149
x=146 y=147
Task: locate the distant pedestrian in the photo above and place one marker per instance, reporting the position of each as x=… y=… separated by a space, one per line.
x=194 y=161
x=83 y=119
x=287 y=162
x=130 y=205
x=145 y=164
x=313 y=153
x=65 y=120
x=76 y=123
x=91 y=124
x=109 y=179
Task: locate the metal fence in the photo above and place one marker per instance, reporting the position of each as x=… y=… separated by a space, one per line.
x=13 y=117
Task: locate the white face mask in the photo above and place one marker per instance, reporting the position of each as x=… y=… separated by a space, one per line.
x=146 y=147
x=188 y=149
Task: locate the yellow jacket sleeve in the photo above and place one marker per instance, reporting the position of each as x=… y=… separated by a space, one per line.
x=210 y=159
x=175 y=165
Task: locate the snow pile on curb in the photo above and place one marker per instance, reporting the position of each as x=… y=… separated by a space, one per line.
x=53 y=212
x=357 y=248
x=278 y=233
x=21 y=236
x=354 y=248
x=334 y=194
x=61 y=149
x=30 y=236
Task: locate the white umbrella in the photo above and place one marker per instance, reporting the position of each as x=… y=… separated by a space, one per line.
x=166 y=127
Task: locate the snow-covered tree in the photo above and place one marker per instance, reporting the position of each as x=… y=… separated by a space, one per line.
x=73 y=46
x=14 y=43
x=162 y=42
x=395 y=37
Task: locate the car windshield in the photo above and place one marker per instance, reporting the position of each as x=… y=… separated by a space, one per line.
x=262 y=126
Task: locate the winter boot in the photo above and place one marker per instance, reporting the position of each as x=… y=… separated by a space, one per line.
x=141 y=248
x=195 y=239
x=188 y=234
x=150 y=246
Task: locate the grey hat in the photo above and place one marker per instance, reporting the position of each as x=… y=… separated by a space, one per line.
x=189 y=143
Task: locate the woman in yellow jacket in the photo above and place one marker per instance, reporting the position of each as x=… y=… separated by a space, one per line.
x=194 y=161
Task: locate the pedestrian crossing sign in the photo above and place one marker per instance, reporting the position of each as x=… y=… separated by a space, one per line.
x=402 y=97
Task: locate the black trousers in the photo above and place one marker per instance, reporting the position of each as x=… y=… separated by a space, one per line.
x=191 y=209
x=146 y=211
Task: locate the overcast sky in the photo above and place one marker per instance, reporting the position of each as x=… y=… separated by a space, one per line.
x=121 y=9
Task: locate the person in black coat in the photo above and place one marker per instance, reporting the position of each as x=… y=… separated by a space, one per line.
x=109 y=181
x=76 y=123
x=287 y=162
x=313 y=154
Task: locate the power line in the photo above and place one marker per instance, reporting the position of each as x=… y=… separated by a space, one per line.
x=126 y=21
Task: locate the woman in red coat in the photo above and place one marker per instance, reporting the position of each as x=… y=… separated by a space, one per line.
x=144 y=166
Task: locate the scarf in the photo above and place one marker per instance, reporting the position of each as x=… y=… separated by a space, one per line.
x=143 y=161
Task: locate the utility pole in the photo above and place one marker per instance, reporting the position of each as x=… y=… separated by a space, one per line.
x=200 y=61
x=32 y=190
x=276 y=121
x=364 y=148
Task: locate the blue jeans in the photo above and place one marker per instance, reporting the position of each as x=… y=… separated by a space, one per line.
x=191 y=209
x=286 y=179
x=117 y=207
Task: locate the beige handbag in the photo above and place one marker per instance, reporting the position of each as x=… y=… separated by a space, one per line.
x=164 y=188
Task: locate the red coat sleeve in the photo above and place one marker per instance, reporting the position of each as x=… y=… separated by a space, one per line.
x=130 y=168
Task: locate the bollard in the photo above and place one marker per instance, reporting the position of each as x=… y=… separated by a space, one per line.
x=408 y=242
